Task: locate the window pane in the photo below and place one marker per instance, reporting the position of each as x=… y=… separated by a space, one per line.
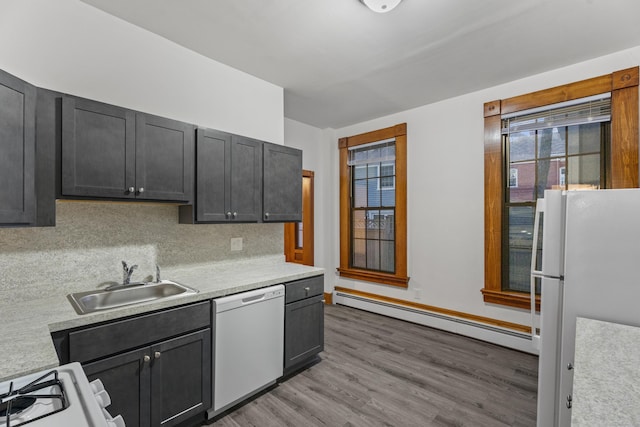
x=360 y=193
x=585 y=138
x=387 y=256
x=520 y=244
x=373 y=170
x=359 y=224
x=387 y=225
x=373 y=193
x=359 y=256
x=522 y=146
x=549 y=175
x=373 y=224
x=359 y=172
x=551 y=142
x=584 y=172
x=524 y=189
x=373 y=254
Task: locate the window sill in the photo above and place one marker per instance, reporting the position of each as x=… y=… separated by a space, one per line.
x=511 y=299
x=374 y=276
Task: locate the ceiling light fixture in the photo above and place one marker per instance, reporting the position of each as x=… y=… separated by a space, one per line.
x=381 y=6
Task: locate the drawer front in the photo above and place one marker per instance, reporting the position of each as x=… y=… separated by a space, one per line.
x=305 y=288
x=100 y=341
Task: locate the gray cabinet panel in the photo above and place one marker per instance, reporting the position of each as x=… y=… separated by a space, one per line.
x=303 y=331
x=282 y=183
x=246 y=179
x=181 y=378
x=126 y=378
x=98 y=149
x=164 y=158
x=17 y=151
x=213 y=186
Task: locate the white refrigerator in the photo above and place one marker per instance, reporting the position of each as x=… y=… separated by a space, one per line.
x=588 y=266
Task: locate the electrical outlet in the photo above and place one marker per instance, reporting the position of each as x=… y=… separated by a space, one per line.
x=236 y=243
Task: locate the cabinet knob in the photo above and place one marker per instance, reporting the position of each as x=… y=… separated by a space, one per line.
x=235 y=214
x=141 y=190
x=229 y=214
x=306 y=291
x=146 y=358
x=156 y=355
x=266 y=215
x=132 y=190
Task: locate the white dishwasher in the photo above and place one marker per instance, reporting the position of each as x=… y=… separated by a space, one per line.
x=249 y=345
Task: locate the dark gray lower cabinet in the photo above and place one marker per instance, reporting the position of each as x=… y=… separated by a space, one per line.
x=162 y=384
x=156 y=367
x=303 y=322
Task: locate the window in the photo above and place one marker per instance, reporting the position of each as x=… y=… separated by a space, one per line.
x=567 y=156
x=541 y=146
x=373 y=206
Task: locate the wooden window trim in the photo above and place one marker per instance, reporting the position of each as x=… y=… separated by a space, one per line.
x=623 y=86
x=400 y=278
x=304 y=255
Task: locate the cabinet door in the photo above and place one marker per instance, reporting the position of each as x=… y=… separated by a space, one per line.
x=181 y=378
x=246 y=179
x=17 y=150
x=303 y=331
x=164 y=159
x=126 y=378
x=282 y=183
x=213 y=185
x=98 y=149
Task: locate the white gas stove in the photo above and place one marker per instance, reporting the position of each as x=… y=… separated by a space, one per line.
x=60 y=397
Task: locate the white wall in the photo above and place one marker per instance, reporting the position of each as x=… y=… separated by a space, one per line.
x=71 y=47
x=317 y=158
x=446 y=192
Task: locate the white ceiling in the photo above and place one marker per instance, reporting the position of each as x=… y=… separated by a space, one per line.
x=340 y=63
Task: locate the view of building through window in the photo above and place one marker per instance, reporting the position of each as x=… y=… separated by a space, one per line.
x=373 y=207
x=571 y=157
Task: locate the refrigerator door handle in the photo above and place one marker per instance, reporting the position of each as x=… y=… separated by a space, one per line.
x=535 y=336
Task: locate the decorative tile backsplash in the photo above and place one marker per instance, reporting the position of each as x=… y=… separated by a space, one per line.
x=90 y=239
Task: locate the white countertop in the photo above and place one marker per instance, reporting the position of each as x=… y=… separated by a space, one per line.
x=606 y=384
x=25 y=327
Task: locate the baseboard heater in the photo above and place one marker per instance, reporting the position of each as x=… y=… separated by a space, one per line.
x=501 y=336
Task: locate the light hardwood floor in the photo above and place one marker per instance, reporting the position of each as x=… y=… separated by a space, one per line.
x=379 y=371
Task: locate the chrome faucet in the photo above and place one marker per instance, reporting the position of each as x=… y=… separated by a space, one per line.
x=127 y=272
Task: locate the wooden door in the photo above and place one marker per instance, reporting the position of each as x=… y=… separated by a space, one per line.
x=298 y=236
x=17 y=150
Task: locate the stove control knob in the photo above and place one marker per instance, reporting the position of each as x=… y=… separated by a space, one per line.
x=96 y=386
x=103 y=399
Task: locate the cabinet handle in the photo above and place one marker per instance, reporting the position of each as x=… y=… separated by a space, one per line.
x=235 y=214
x=132 y=190
x=146 y=358
x=306 y=291
x=229 y=214
x=266 y=215
x=141 y=190
x=156 y=355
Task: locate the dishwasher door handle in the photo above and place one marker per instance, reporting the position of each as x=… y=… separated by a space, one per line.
x=252 y=299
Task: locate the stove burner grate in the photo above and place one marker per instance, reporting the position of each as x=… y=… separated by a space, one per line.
x=14 y=402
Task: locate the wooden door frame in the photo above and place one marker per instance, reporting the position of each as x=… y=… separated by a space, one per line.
x=305 y=254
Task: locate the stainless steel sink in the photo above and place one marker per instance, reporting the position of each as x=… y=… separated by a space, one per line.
x=91 y=301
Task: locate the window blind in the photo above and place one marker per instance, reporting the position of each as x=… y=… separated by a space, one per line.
x=594 y=109
x=375 y=152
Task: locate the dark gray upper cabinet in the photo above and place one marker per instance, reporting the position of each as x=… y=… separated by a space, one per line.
x=282 y=183
x=228 y=179
x=113 y=152
x=17 y=151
